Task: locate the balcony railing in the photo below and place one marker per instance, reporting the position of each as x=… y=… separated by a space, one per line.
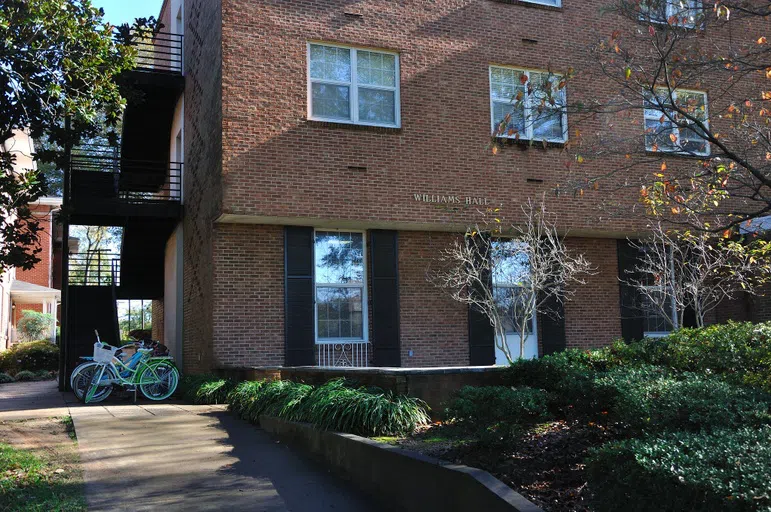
x=99 y=174
x=94 y=268
x=161 y=52
x=343 y=353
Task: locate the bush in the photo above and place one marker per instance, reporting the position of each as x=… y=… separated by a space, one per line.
x=44 y=375
x=242 y=396
x=721 y=471
x=497 y=412
x=34 y=326
x=31 y=356
x=363 y=411
x=650 y=399
x=205 y=388
x=334 y=406
x=25 y=376
x=5 y=378
x=277 y=398
x=740 y=352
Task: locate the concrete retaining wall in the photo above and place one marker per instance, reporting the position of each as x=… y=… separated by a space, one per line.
x=402 y=479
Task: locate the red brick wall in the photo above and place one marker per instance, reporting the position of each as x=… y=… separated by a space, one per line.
x=157 y=310
x=203 y=176
x=279 y=164
x=248 y=296
x=593 y=315
x=433 y=326
x=40 y=274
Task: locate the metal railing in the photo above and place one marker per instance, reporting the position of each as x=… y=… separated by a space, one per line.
x=94 y=268
x=159 y=52
x=351 y=354
x=101 y=174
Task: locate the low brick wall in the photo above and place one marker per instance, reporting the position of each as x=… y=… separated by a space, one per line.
x=401 y=479
x=432 y=385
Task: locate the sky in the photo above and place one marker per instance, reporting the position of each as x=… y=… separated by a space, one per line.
x=125 y=11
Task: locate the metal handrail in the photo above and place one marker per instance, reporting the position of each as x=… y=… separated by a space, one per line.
x=94 y=268
x=133 y=180
x=159 y=52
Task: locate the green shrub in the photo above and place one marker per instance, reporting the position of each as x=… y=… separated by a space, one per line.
x=568 y=376
x=214 y=391
x=5 y=378
x=205 y=388
x=276 y=398
x=722 y=471
x=44 y=375
x=363 y=411
x=740 y=352
x=25 y=376
x=497 y=412
x=650 y=399
x=333 y=406
x=33 y=326
x=242 y=396
x=31 y=356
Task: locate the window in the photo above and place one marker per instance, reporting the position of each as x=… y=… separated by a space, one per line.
x=555 y=3
x=672 y=132
x=685 y=13
x=351 y=85
x=340 y=286
x=511 y=269
x=655 y=323
x=530 y=104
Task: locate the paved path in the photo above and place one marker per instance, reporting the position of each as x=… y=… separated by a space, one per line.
x=30 y=400
x=169 y=456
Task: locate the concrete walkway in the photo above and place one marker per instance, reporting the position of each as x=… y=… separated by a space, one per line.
x=31 y=400
x=171 y=456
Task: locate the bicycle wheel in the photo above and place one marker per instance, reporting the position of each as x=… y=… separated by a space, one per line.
x=82 y=377
x=158 y=381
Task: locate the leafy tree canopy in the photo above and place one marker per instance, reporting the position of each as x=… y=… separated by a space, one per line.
x=58 y=59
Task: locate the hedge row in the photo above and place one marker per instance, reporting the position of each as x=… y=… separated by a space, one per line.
x=33 y=356
x=719 y=471
x=694 y=408
x=336 y=405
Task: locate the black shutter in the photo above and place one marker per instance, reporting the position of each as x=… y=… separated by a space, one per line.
x=384 y=250
x=553 y=327
x=632 y=322
x=299 y=330
x=481 y=335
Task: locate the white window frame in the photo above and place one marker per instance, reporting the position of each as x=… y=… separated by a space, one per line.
x=353 y=97
x=363 y=286
x=527 y=104
x=675 y=128
x=550 y=3
x=671 y=10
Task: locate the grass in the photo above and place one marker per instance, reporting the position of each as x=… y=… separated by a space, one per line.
x=69 y=426
x=32 y=483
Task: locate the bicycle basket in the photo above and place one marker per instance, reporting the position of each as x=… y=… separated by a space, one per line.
x=104 y=353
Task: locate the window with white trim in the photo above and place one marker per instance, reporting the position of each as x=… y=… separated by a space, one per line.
x=527 y=105
x=553 y=3
x=685 y=13
x=341 y=292
x=510 y=273
x=670 y=131
x=353 y=85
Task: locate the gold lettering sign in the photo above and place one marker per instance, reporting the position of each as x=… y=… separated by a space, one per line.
x=452 y=199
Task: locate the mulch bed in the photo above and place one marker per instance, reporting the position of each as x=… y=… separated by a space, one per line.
x=546 y=465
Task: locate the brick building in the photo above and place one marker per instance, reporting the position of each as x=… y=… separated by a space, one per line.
x=331 y=149
x=35 y=289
